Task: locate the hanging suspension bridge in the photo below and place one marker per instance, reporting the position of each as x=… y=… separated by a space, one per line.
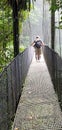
x=38 y=107
x=30 y=90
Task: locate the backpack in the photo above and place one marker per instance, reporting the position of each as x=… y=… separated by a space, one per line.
x=38 y=44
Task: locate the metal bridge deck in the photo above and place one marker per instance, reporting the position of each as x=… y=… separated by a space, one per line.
x=38 y=108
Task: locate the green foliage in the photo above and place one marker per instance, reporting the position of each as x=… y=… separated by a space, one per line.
x=5 y=57
x=5 y=23
x=22 y=16
x=57 y=5
x=22 y=48
x=6 y=28
x=6 y=34
x=54 y=5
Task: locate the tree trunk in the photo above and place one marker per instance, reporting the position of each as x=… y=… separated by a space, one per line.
x=15 y=28
x=52 y=24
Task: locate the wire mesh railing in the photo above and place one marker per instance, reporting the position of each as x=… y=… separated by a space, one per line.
x=11 y=84
x=54 y=63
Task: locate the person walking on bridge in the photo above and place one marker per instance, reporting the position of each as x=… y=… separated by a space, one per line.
x=37 y=44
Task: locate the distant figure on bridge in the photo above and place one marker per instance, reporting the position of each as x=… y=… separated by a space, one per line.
x=37 y=44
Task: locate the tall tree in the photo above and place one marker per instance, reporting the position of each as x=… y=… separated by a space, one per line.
x=15 y=27
x=16 y=6
x=53 y=4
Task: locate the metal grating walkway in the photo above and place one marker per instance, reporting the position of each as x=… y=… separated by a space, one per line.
x=38 y=108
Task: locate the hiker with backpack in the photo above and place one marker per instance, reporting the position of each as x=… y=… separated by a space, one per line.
x=37 y=44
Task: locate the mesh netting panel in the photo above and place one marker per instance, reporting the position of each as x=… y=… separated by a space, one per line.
x=11 y=82
x=3 y=101
x=54 y=63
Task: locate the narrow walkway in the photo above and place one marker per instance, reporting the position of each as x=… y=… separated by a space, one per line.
x=38 y=108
